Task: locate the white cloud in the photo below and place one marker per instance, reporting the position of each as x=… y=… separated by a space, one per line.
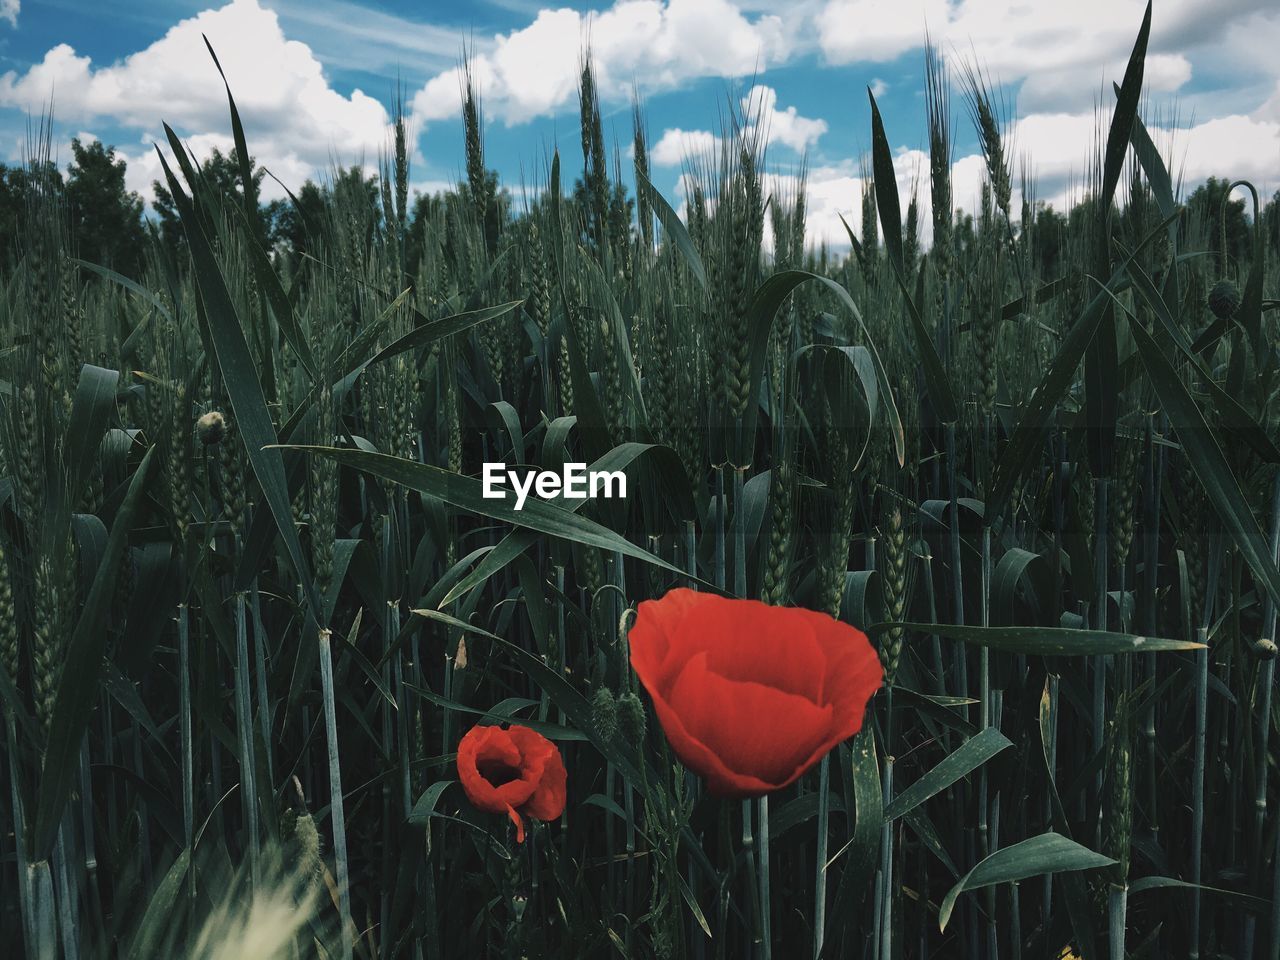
x=657 y=44
x=760 y=107
x=295 y=122
x=346 y=34
x=1064 y=52
x=874 y=31
x=676 y=145
x=9 y=10
x=781 y=126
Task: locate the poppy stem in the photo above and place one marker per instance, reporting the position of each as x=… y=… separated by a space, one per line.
x=739 y=534
x=820 y=880
x=766 y=923
x=726 y=880
x=885 y=879
x=718 y=573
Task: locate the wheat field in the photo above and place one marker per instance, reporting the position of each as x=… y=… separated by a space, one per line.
x=253 y=596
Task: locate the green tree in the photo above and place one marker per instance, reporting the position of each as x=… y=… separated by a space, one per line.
x=220 y=173
x=17 y=188
x=1215 y=217
x=295 y=224
x=1271 y=222
x=1048 y=240
x=106 y=217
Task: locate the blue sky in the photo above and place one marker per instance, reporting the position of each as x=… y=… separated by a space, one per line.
x=315 y=80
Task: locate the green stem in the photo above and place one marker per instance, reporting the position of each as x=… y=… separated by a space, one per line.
x=1117 y=910
x=1197 y=787
x=19 y=828
x=244 y=728
x=44 y=930
x=820 y=879
x=885 y=918
x=336 y=815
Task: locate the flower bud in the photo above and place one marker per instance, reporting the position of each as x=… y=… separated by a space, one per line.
x=604 y=712
x=1224 y=299
x=631 y=718
x=211 y=428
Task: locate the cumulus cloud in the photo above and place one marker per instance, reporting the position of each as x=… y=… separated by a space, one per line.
x=873 y=31
x=294 y=120
x=781 y=126
x=760 y=109
x=655 y=44
x=676 y=146
x=1064 y=51
x=9 y=10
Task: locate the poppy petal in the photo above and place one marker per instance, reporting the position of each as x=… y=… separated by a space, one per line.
x=657 y=623
x=547 y=799
x=489 y=748
x=721 y=781
x=751 y=641
x=772 y=733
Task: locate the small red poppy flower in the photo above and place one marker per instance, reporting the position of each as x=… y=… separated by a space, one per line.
x=751 y=696
x=513 y=771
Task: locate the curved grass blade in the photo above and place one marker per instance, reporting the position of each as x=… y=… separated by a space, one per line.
x=671 y=223
x=434 y=330
x=131 y=285
x=465 y=493
x=1034 y=857
x=91 y=412
x=1044 y=641
x=1125 y=113
x=765 y=302
x=1169 y=883
x=153 y=929
x=516 y=542
x=966 y=758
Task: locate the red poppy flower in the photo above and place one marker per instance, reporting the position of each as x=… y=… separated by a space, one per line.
x=751 y=696
x=512 y=771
